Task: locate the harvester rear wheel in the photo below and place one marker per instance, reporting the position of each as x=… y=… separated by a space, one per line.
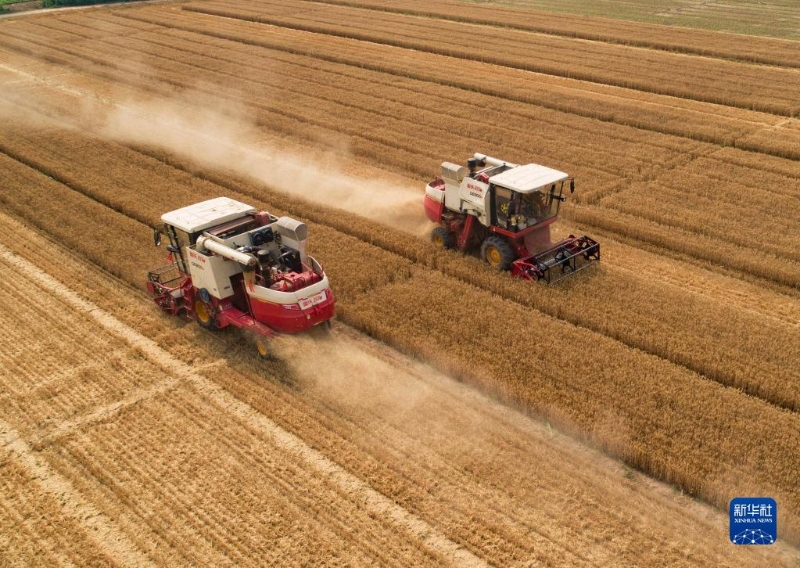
x=497 y=253
x=442 y=238
x=204 y=314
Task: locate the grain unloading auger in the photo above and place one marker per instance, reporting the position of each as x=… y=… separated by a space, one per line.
x=232 y=265
x=506 y=210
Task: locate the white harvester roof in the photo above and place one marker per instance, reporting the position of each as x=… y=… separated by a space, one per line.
x=528 y=178
x=206 y=214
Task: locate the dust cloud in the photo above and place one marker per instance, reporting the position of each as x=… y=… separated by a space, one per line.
x=231 y=141
x=385 y=388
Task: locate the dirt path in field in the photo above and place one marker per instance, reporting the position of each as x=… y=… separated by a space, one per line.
x=496 y=485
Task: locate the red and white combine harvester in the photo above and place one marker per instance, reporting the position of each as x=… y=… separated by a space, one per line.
x=232 y=265
x=506 y=210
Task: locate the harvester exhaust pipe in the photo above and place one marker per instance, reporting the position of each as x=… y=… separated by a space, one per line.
x=493 y=161
x=210 y=244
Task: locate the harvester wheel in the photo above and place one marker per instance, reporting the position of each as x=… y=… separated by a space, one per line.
x=205 y=315
x=497 y=253
x=442 y=238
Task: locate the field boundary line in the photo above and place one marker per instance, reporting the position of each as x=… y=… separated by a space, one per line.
x=111 y=5
x=356 y=489
x=68 y=426
x=102 y=529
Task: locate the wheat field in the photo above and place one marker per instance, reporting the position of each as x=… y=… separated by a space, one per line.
x=644 y=374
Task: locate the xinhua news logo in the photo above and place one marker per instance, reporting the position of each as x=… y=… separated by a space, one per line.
x=754 y=520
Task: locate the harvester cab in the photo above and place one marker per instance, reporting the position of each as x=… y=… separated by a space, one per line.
x=230 y=264
x=506 y=210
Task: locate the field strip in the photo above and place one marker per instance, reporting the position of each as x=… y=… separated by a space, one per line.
x=681 y=117
x=347 y=483
x=771 y=51
x=102 y=529
x=617 y=116
x=702 y=80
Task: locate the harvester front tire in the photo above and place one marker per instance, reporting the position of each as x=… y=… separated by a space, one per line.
x=442 y=238
x=204 y=315
x=497 y=253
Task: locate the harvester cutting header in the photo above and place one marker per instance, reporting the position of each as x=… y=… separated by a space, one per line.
x=232 y=265
x=507 y=209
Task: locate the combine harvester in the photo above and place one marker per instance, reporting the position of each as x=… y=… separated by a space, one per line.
x=506 y=210
x=231 y=265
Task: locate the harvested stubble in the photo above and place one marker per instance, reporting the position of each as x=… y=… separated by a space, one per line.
x=33 y=526
x=668 y=38
x=167 y=470
x=123 y=459
x=41 y=389
x=731 y=83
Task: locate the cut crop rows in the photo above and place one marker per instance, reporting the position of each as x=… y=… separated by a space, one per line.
x=754 y=49
x=682 y=117
x=723 y=82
